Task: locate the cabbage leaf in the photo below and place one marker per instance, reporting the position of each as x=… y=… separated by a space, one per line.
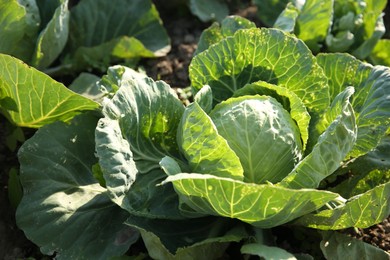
x=261 y=205
x=30 y=98
x=64 y=209
x=97 y=37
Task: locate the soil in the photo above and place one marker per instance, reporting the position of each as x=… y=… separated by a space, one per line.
x=184 y=30
x=378 y=235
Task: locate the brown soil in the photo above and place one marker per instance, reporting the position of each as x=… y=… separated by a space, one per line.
x=184 y=31
x=378 y=235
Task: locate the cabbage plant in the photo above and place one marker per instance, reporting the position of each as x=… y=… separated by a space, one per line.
x=270 y=131
x=355 y=27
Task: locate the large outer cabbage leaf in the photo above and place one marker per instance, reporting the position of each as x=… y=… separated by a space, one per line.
x=262 y=206
x=148 y=114
x=370 y=102
x=343 y=70
x=64 y=210
x=372 y=110
x=262 y=134
x=137 y=131
x=102 y=32
x=30 y=98
x=34 y=31
x=261 y=54
x=368 y=191
x=204 y=98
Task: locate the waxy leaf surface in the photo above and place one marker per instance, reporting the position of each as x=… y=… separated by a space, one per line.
x=137 y=131
x=369 y=171
x=217 y=32
x=287 y=19
x=64 y=210
x=204 y=98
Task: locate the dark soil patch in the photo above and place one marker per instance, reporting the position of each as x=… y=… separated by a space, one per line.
x=377 y=235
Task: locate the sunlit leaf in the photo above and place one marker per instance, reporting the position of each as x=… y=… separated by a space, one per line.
x=262 y=206
x=363 y=210
x=260 y=54
x=34 y=98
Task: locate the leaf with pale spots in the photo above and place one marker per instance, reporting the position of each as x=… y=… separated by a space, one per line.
x=263 y=206
x=362 y=211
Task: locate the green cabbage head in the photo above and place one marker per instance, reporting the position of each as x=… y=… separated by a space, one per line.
x=262 y=134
